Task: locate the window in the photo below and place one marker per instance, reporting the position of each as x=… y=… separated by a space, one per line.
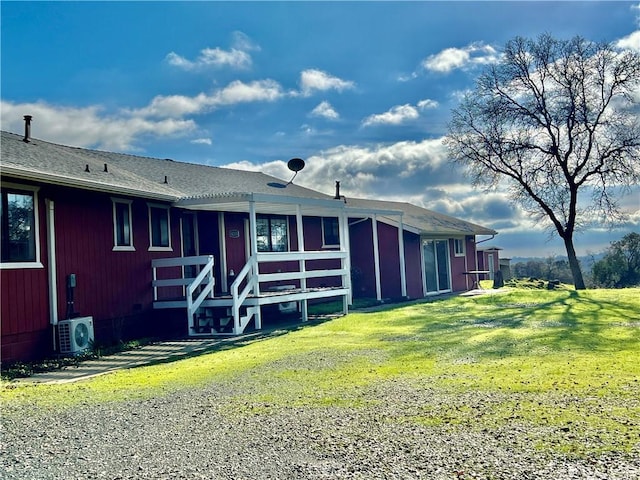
x=330 y=232
x=159 y=231
x=19 y=225
x=459 y=247
x=122 y=225
x=271 y=234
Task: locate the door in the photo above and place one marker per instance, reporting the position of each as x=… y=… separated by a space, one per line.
x=436 y=266
x=490 y=265
x=190 y=247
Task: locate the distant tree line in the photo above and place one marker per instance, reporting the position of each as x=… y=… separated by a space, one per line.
x=618 y=268
x=549 y=269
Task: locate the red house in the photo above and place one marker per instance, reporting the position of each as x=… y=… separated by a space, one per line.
x=127 y=246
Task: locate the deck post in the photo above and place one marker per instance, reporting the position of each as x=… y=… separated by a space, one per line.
x=403 y=273
x=302 y=263
x=376 y=256
x=253 y=234
x=345 y=247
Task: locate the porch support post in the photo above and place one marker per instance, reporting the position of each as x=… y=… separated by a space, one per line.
x=376 y=256
x=253 y=230
x=343 y=222
x=302 y=264
x=403 y=273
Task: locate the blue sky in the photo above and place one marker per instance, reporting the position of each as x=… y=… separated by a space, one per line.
x=362 y=91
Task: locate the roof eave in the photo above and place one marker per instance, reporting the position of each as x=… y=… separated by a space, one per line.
x=38 y=176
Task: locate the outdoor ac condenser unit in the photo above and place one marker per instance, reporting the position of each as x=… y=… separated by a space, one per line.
x=76 y=335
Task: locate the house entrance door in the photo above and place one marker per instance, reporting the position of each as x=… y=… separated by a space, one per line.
x=436 y=266
x=189 y=234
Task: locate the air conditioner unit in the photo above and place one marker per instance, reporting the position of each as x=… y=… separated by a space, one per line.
x=76 y=335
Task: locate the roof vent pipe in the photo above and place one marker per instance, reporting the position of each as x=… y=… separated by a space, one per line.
x=166 y=180
x=27 y=128
x=106 y=170
x=337 y=197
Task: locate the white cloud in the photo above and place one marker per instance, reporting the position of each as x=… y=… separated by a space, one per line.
x=88 y=126
x=214 y=57
x=236 y=57
x=402 y=169
x=325 y=110
x=202 y=141
x=395 y=116
x=427 y=104
x=453 y=58
x=234 y=93
x=313 y=80
x=630 y=42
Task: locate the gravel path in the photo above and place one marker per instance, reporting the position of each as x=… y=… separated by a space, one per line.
x=194 y=434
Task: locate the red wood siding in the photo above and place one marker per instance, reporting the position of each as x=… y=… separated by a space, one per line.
x=390 y=283
x=413 y=262
x=363 y=275
x=458 y=267
x=24 y=305
x=112 y=286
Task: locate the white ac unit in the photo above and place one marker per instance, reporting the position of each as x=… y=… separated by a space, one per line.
x=76 y=335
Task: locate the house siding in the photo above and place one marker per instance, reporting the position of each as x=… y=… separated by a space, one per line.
x=112 y=286
x=24 y=299
x=363 y=275
x=390 y=283
x=413 y=263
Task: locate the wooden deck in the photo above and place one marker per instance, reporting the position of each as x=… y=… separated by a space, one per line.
x=265 y=298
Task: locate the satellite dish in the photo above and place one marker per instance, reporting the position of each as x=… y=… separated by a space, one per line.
x=295 y=165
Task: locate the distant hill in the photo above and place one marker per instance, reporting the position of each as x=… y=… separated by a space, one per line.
x=586 y=261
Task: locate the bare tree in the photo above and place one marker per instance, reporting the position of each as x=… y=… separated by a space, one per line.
x=556 y=122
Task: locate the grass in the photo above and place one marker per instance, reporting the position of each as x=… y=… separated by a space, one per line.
x=563 y=365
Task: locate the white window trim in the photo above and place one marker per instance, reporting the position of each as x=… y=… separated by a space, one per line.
x=116 y=247
x=36 y=227
x=464 y=247
x=153 y=248
x=327 y=245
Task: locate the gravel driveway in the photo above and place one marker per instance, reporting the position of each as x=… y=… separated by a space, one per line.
x=195 y=434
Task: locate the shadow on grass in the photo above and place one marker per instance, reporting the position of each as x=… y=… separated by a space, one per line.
x=499 y=326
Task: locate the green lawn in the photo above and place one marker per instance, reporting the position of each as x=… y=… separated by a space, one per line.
x=564 y=365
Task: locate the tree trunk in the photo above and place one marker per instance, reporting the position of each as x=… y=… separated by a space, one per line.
x=576 y=271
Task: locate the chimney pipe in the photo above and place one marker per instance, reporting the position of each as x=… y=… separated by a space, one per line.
x=337 y=197
x=27 y=128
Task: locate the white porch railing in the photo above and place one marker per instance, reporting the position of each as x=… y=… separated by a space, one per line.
x=251 y=273
x=195 y=289
x=245 y=297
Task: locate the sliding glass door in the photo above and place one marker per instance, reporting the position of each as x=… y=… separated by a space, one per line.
x=436 y=266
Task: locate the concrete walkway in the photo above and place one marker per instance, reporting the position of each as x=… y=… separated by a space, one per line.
x=153 y=353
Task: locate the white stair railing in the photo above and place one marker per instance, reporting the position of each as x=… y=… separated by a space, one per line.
x=247 y=273
x=196 y=289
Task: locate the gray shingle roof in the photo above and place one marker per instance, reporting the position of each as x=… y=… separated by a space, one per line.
x=133 y=174
x=427 y=222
